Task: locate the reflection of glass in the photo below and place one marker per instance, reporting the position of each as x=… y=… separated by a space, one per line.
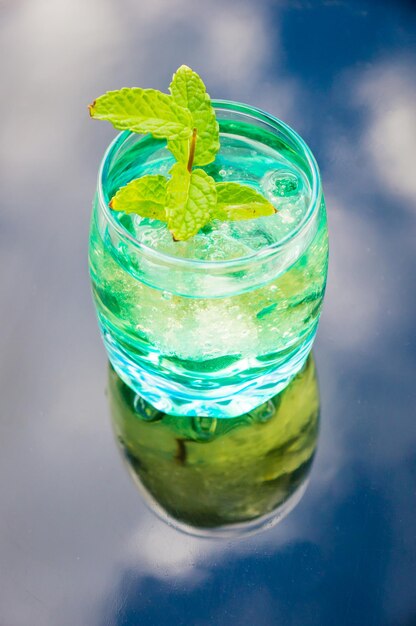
x=217 y=325
x=213 y=476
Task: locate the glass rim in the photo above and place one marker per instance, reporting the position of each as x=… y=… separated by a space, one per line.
x=258 y=255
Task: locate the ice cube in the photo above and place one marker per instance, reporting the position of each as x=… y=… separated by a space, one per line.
x=214 y=244
x=281 y=183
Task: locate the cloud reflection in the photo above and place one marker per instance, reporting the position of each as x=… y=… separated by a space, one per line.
x=388 y=93
x=71 y=526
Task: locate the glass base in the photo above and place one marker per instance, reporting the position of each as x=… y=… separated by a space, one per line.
x=174 y=398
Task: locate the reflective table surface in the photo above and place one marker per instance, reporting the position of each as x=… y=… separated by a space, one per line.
x=270 y=520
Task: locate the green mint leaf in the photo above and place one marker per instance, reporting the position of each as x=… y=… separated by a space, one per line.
x=145 y=196
x=188 y=91
x=190 y=198
x=240 y=202
x=144 y=111
x=186 y=119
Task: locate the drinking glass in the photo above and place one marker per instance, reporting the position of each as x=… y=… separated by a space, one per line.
x=213 y=336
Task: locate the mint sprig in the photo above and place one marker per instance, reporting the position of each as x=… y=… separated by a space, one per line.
x=189 y=91
x=190 y=198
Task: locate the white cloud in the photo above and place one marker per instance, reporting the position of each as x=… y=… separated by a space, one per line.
x=388 y=92
x=57 y=48
x=237 y=44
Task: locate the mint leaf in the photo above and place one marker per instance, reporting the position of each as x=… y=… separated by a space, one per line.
x=145 y=196
x=186 y=119
x=188 y=91
x=144 y=111
x=190 y=199
x=240 y=202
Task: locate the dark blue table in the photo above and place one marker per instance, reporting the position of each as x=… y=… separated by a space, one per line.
x=78 y=545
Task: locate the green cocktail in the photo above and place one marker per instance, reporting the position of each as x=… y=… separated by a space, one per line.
x=217 y=324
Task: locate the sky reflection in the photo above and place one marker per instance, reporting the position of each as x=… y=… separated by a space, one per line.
x=77 y=544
